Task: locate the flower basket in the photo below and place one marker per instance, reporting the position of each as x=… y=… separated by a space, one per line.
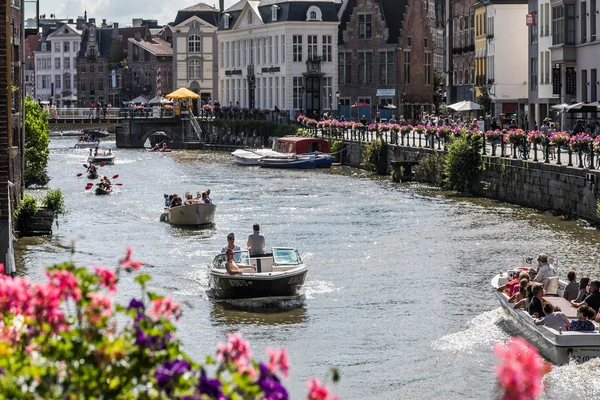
x=320 y=124
x=431 y=131
x=347 y=125
x=357 y=125
x=420 y=129
x=596 y=144
x=373 y=128
x=406 y=129
x=384 y=128
x=580 y=142
x=535 y=137
x=394 y=128
x=515 y=136
x=493 y=136
x=560 y=138
x=444 y=132
x=310 y=122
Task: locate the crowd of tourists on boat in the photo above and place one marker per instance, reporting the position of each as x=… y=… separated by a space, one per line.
x=174 y=200
x=88 y=139
x=94 y=153
x=528 y=293
x=255 y=245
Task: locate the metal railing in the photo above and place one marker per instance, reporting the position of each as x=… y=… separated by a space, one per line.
x=196 y=126
x=108 y=113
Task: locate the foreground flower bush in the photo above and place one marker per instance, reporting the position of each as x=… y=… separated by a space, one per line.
x=60 y=340
x=521 y=370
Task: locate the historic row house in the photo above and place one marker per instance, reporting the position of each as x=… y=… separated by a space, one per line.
x=385 y=59
x=279 y=54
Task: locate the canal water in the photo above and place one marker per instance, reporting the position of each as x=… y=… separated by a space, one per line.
x=397 y=296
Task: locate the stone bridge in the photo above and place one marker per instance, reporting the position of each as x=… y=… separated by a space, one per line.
x=177 y=131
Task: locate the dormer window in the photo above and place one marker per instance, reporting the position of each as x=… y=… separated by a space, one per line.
x=314 y=14
x=194 y=24
x=249 y=17
x=226 y=20
x=43 y=46
x=274 y=9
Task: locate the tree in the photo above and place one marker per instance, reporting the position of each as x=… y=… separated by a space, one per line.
x=37 y=139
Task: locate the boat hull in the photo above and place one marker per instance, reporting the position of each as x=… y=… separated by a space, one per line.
x=87 y=145
x=102 y=192
x=293 y=163
x=191 y=215
x=102 y=159
x=558 y=347
x=92 y=176
x=158 y=151
x=258 y=285
x=323 y=160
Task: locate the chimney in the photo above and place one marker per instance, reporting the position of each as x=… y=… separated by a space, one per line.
x=104 y=22
x=221 y=5
x=92 y=21
x=115 y=25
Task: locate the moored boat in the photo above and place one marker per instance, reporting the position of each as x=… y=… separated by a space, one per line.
x=191 y=214
x=298 y=162
x=279 y=274
x=559 y=346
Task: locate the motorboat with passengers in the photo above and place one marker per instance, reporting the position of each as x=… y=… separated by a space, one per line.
x=559 y=346
x=277 y=275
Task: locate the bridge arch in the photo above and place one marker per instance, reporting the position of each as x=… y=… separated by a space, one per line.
x=168 y=134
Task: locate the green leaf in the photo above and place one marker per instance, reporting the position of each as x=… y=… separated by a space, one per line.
x=142 y=279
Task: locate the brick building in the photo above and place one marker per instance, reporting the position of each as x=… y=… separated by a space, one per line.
x=11 y=145
x=460 y=47
x=385 y=58
x=151 y=66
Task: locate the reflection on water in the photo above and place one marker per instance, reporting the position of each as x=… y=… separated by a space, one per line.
x=252 y=312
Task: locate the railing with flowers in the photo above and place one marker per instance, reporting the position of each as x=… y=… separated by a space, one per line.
x=534 y=146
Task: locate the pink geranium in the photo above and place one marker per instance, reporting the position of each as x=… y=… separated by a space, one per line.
x=108 y=279
x=99 y=307
x=521 y=370
x=164 y=307
x=66 y=283
x=128 y=263
x=236 y=350
x=278 y=359
x=316 y=391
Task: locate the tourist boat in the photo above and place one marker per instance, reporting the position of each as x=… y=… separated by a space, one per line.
x=102 y=159
x=92 y=175
x=561 y=346
x=102 y=191
x=84 y=144
x=297 y=162
x=95 y=133
x=190 y=214
x=278 y=275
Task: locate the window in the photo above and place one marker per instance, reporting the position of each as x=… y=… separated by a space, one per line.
x=327 y=91
x=428 y=68
x=593 y=16
x=100 y=67
x=533 y=80
x=82 y=67
x=57 y=63
x=345 y=68
x=243 y=61
x=327 y=48
x=594 y=87
x=584 y=85
x=92 y=68
x=558 y=28
x=297 y=92
x=409 y=41
x=270 y=49
x=75 y=47
x=67 y=81
x=67 y=47
x=533 y=32
x=386 y=67
x=226 y=21
x=283 y=49
x=311 y=46
x=194 y=44
x=56 y=47
x=274 y=9
x=57 y=81
x=44 y=47
x=313 y=15
x=277 y=49
x=407 y=67
x=45 y=84
x=249 y=17
x=221 y=54
x=100 y=85
x=297 y=48
x=583 y=19
x=264 y=51
x=569 y=23
x=227 y=55
x=194 y=24
x=365 y=26
x=251 y=41
x=239 y=53
x=547 y=66
x=364 y=67
x=425 y=43
x=67 y=62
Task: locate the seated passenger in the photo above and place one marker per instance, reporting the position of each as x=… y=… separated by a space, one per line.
x=524 y=303
x=189 y=199
x=583 y=289
x=572 y=289
x=522 y=294
x=536 y=309
x=256 y=241
x=583 y=322
x=512 y=287
x=544 y=270
x=231 y=266
x=164 y=147
x=554 y=318
x=198 y=197
x=592 y=299
x=176 y=201
x=156 y=147
x=205 y=198
x=230 y=244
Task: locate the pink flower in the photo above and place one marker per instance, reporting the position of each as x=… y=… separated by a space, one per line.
x=236 y=351
x=14 y=294
x=100 y=307
x=128 y=263
x=164 y=307
x=521 y=370
x=108 y=279
x=45 y=305
x=66 y=282
x=316 y=391
x=278 y=359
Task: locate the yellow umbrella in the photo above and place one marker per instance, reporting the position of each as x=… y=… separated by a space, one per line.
x=183 y=93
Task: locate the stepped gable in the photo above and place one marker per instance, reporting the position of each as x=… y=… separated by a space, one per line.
x=393 y=12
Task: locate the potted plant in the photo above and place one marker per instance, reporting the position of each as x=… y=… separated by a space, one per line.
x=36 y=217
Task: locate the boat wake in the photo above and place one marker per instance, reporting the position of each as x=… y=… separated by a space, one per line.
x=573 y=381
x=312 y=288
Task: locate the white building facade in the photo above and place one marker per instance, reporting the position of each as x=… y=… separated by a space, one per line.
x=507 y=57
x=56 y=66
x=276 y=54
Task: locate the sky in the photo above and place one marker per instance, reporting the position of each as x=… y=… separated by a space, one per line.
x=122 y=11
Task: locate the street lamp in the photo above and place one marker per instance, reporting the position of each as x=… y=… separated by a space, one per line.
x=337 y=99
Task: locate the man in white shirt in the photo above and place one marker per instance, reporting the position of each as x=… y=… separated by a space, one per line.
x=256 y=241
x=544 y=270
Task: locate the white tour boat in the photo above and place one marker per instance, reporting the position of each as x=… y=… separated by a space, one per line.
x=560 y=346
x=190 y=214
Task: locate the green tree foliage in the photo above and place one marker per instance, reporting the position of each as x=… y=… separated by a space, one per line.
x=374 y=157
x=431 y=169
x=36 y=144
x=463 y=162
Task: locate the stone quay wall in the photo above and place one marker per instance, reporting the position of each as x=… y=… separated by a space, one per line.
x=568 y=191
